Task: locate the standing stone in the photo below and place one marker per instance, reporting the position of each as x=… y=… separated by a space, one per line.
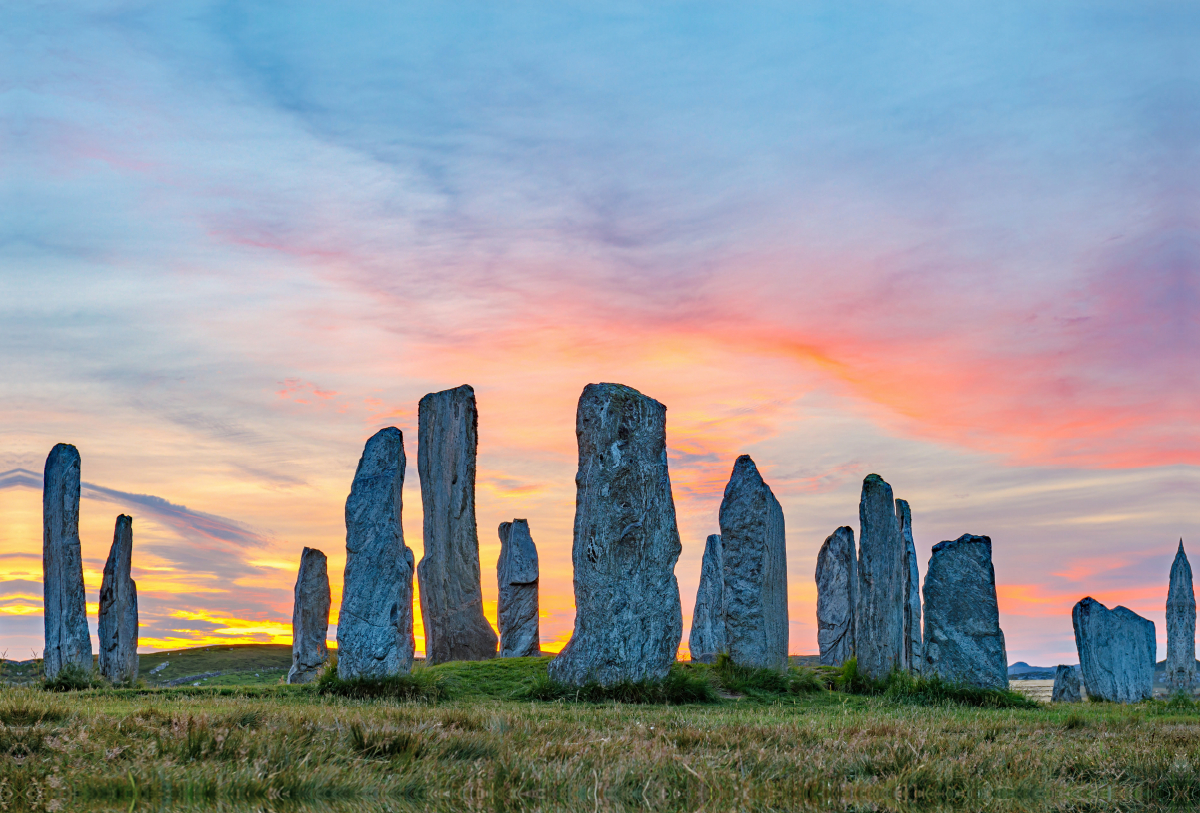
x=882 y=576
x=706 y=639
x=118 y=628
x=912 y=589
x=963 y=639
x=1116 y=651
x=1181 y=624
x=628 y=621
x=517 y=608
x=68 y=642
x=1066 y=685
x=837 y=590
x=310 y=617
x=375 y=623
x=448 y=575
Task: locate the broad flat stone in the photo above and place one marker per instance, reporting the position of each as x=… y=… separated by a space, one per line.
x=117 y=631
x=375 y=624
x=448 y=575
x=517 y=575
x=1116 y=651
x=628 y=621
x=1066 y=685
x=1181 y=624
x=837 y=590
x=310 y=617
x=68 y=642
x=912 y=589
x=706 y=639
x=882 y=577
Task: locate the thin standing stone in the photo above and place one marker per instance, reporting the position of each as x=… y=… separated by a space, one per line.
x=117 y=630
x=912 y=589
x=706 y=639
x=1181 y=624
x=882 y=577
x=517 y=608
x=68 y=642
x=310 y=617
x=837 y=590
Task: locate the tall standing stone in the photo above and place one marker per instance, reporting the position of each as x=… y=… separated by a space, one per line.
x=448 y=575
x=837 y=592
x=117 y=630
x=882 y=576
x=1116 y=651
x=375 y=624
x=912 y=589
x=963 y=639
x=1066 y=685
x=68 y=642
x=310 y=617
x=1181 y=624
x=706 y=639
x=517 y=608
x=628 y=621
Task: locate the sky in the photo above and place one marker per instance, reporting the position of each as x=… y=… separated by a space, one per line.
x=954 y=244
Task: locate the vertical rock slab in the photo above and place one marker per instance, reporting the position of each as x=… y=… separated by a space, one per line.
x=1066 y=685
x=1181 y=624
x=706 y=639
x=448 y=575
x=837 y=592
x=375 y=623
x=963 y=639
x=882 y=576
x=1116 y=651
x=310 y=617
x=628 y=620
x=912 y=589
x=117 y=631
x=517 y=608
x=68 y=642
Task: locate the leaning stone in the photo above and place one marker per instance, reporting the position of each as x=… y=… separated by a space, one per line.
x=517 y=608
x=706 y=639
x=1116 y=652
x=117 y=631
x=882 y=577
x=375 y=624
x=1066 y=685
x=628 y=621
x=448 y=575
x=837 y=588
x=310 y=617
x=1181 y=624
x=912 y=589
x=68 y=642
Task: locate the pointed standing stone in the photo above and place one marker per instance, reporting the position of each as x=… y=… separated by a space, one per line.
x=912 y=589
x=1066 y=685
x=310 y=617
x=448 y=575
x=706 y=639
x=1181 y=624
x=517 y=608
x=882 y=576
x=837 y=590
x=375 y=624
x=118 y=628
x=68 y=642
x=1116 y=652
x=628 y=621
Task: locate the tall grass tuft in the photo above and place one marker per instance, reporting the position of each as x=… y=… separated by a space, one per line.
x=918 y=690
x=681 y=686
x=755 y=682
x=420 y=685
x=72 y=678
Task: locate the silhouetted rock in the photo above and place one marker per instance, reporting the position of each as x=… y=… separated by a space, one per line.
x=1181 y=624
x=912 y=589
x=68 y=642
x=1066 y=685
x=706 y=639
x=1116 y=651
x=310 y=617
x=837 y=589
x=882 y=577
x=117 y=631
x=517 y=573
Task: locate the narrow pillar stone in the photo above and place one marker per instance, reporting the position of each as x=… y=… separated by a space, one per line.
x=517 y=608
x=118 y=626
x=1116 y=651
x=882 y=576
x=310 y=617
x=68 y=642
x=912 y=589
x=1181 y=624
x=706 y=639
x=837 y=591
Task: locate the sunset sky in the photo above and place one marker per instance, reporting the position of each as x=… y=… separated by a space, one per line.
x=954 y=244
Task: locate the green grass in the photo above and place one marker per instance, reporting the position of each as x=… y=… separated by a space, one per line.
x=421 y=685
x=684 y=684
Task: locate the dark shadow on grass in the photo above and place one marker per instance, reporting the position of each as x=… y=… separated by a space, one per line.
x=420 y=685
x=681 y=686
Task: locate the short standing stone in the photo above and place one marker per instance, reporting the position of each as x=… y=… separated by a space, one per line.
x=706 y=639
x=628 y=621
x=1066 y=685
x=1116 y=652
x=448 y=574
x=68 y=642
x=963 y=639
x=912 y=589
x=517 y=608
x=117 y=631
x=1181 y=624
x=837 y=588
x=375 y=624
x=882 y=577
x=310 y=617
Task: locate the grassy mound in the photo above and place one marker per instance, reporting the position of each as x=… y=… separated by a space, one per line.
x=928 y=691
x=766 y=684
x=682 y=685
x=421 y=685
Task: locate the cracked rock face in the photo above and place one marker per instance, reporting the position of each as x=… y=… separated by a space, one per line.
x=1181 y=624
x=837 y=586
x=117 y=631
x=1066 y=685
x=310 y=617
x=882 y=580
x=1116 y=651
x=912 y=589
x=517 y=608
x=628 y=620
x=375 y=625
x=706 y=639
x=68 y=642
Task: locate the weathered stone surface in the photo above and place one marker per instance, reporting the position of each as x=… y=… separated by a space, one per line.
x=882 y=576
x=912 y=589
x=448 y=575
x=1181 y=624
x=68 y=642
x=628 y=621
x=837 y=593
x=310 y=617
x=117 y=631
x=1116 y=651
x=1066 y=685
x=517 y=574
x=963 y=639
x=706 y=639
x=375 y=624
